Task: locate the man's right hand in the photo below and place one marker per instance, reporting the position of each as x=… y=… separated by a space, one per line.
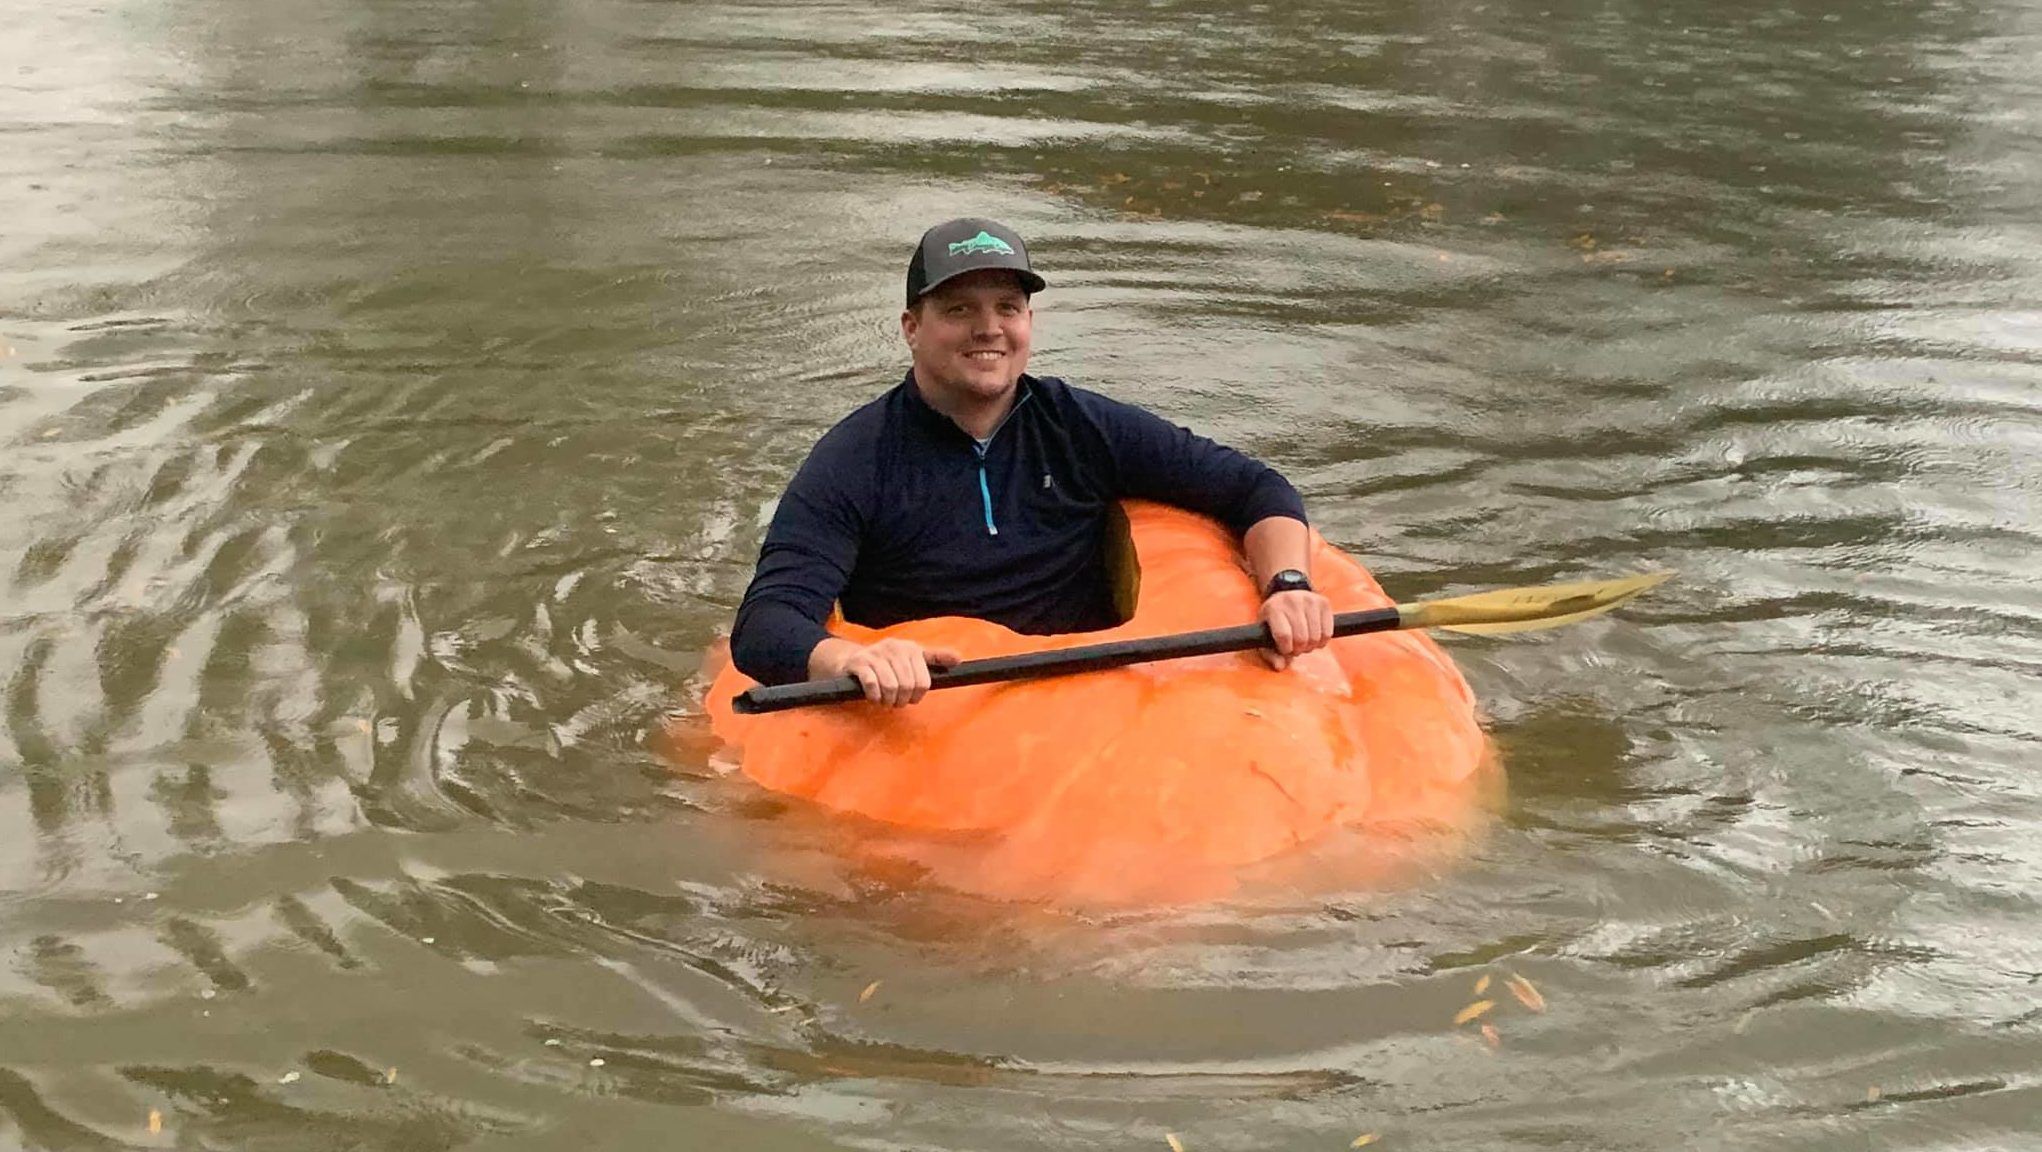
x=893 y=672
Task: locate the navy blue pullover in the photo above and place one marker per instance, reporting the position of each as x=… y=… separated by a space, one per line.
x=898 y=514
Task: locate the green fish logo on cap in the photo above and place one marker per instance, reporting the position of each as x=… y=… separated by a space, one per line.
x=982 y=243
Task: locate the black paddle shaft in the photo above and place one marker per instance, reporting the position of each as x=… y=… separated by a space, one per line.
x=1061 y=662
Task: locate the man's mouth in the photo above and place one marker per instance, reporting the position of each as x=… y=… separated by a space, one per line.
x=984 y=355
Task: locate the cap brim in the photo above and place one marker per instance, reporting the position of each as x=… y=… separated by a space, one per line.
x=1029 y=280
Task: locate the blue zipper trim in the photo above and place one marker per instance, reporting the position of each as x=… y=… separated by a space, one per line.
x=985 y=493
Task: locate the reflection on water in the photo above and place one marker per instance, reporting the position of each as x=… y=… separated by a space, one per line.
x=391 y=397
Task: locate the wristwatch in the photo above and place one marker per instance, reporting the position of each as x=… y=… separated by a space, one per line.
x=1288 y=580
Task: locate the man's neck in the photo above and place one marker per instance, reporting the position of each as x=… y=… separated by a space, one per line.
x=978 y=418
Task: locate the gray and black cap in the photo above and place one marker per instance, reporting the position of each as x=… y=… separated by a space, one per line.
x=955 y=247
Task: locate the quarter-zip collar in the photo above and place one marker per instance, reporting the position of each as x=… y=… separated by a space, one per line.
x=923 y=410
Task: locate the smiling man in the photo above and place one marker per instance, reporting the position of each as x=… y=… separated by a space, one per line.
x=975 y=489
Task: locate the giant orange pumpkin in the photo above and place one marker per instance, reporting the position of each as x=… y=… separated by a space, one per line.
x=1155 y=781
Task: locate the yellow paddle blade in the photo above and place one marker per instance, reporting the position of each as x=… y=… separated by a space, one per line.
x=1526 y=609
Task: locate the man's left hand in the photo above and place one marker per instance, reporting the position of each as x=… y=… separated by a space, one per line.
x=1299 y=622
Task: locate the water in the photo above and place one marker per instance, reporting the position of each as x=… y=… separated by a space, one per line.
x=391 y=395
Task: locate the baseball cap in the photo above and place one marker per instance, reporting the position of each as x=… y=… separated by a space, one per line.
x=955 y=247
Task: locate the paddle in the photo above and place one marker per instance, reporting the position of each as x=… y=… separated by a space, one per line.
x=1506 y=610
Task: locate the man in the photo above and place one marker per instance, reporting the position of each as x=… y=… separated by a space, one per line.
x=974 y=489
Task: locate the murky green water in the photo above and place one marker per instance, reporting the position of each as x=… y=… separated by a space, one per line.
x=390 y=394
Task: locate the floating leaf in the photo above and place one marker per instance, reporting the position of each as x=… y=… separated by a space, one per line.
x=155 y=1122
x=1490 y=1034
x=1525 y=993
x=1472 y=1011
x=390 y=1075
x=1364 y=1140
x=1482 y=985
x=1176 y=1145
x=869 y=990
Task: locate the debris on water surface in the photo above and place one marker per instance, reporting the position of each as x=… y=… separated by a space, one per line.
x=869 y=990
x=1473 y=1011
x=1872 y=1094
x=288 y=1078
x=1490 y=1034
x=390 y=1075
x=1176 y=1145
x=1482 y=985
x=597 y=1062
x=1364 y=1140
x=553 y=1042
x=1526 y=994
x=155 y=1122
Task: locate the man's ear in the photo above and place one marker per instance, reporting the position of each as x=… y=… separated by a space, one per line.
x=909 y=322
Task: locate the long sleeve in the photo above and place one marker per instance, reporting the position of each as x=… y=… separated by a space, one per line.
x=1157 y=460
x=809 y=551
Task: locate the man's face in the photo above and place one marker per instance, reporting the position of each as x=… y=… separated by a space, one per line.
x=969 y=336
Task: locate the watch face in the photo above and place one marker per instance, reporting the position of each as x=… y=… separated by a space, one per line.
x=1289 y=580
